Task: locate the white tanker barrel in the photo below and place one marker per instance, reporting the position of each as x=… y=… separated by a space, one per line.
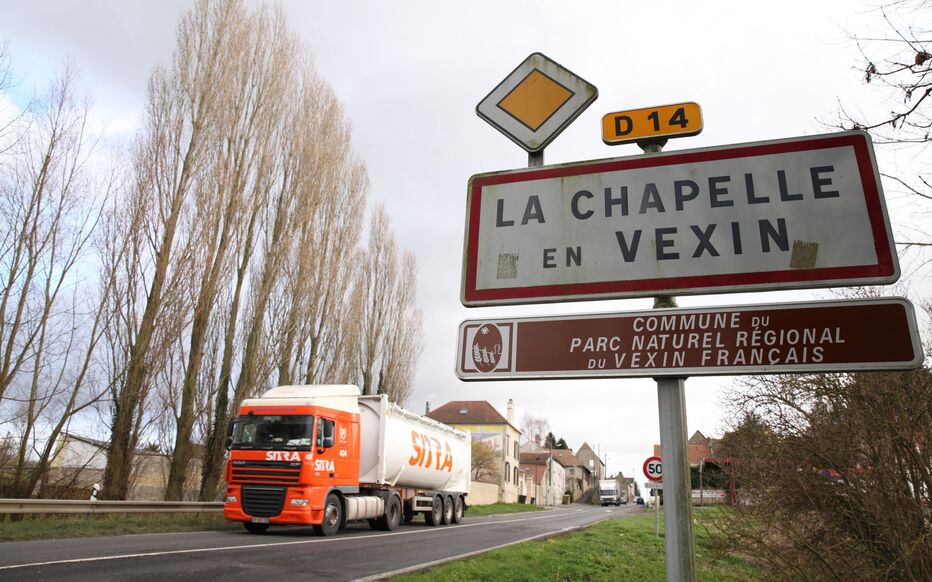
x=403 y=449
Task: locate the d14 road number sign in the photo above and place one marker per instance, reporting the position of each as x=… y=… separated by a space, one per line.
x=653 y=469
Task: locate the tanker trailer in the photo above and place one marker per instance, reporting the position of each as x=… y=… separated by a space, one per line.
x=326 y=456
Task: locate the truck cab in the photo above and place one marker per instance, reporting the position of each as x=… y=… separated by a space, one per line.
x=287 y=457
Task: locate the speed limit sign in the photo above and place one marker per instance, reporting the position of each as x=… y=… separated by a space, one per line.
x=653 y=470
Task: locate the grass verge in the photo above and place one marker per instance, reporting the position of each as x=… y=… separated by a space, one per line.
x=39 y=527
x=618 y=549
x=501 y=508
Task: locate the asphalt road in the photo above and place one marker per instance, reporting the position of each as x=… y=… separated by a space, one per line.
x=283 y=553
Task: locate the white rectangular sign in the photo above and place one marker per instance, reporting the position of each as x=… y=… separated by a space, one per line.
x=795 y=213
x=652 y=485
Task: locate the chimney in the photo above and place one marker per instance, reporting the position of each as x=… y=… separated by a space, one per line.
x=511 y=412
x=427 y=407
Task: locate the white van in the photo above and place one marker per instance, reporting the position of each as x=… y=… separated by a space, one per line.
x=608 y=492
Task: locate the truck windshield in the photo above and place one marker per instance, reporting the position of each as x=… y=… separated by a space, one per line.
x=608 y=492
x=262 y=431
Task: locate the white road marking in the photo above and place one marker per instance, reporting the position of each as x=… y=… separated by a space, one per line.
x=554 y=513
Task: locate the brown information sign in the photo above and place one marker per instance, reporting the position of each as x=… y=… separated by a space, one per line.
x=823 y=336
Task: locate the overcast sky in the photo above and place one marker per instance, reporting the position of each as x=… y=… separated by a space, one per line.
x=410 y=75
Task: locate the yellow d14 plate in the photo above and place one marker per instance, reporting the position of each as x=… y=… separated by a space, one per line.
x=677 y=120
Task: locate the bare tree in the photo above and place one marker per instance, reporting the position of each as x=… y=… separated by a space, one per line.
x=388 y=324
x=534 y=428
x=403 y=335
x=257 y=55
x=896 y=58
x=45 y=347
x=485 y=465
x=373 y=298
x=183 y=104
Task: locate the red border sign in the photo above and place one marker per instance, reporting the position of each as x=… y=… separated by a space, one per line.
x=651 y=477
x=490 y=279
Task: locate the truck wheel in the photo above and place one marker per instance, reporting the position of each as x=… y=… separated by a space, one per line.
x=392 y=518
x=333 y=517
x=255 y=528
x=435 y=515
x=447 y=511
x=408 y=515
x=458 y=509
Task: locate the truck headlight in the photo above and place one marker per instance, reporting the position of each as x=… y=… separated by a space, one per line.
x=299 y=502
x=231 y=499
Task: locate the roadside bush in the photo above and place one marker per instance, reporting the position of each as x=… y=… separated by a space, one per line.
x=834 y=474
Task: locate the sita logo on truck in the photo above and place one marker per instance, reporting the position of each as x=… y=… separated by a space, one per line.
x=426 y=449
x=282 y=456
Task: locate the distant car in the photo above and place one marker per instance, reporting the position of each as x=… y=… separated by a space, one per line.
x=640 y=501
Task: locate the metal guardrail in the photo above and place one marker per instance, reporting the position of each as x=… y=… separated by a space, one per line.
x=86 y=506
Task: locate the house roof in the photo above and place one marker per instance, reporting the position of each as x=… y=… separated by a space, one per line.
x=566 y=457
x=537 y=458
x=698 y=439
x=85 y=439
x=467 y=411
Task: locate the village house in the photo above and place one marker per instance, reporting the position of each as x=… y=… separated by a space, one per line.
x=490 y=428
x=80 y=461
x=549 y=475
x=700 y=447
x=591 y=461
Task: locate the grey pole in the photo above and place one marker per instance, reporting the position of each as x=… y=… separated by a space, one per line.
x=535 y=159
x=677 y=498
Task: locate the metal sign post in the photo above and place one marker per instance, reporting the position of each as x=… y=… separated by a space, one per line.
x=671 y=406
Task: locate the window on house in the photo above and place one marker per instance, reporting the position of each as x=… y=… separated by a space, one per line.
x=507 y=470
x=517 y=456
x=516 y=475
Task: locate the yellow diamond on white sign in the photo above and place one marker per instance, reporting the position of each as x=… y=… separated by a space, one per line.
x=536 y=102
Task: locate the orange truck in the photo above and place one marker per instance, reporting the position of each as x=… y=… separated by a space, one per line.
x=325 y=455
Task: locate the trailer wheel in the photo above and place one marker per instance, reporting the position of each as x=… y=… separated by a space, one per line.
x=333 y=516
x=255 y=528
x=447 y=510
x=435 y=515
x=458 y=509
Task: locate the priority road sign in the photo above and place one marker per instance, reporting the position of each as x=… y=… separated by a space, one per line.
x=785 y=214
x=536 y=102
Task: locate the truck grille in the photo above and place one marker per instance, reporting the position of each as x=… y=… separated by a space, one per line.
x=263 y=500
x=287 y=472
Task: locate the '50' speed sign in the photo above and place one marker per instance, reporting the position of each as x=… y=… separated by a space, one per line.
x=653 y=470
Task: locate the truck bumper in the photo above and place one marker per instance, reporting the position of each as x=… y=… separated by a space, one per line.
x=300 y=507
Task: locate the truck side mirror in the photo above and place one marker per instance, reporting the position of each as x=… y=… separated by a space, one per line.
x=328 y=434
x=230 y=427
x=324 y=434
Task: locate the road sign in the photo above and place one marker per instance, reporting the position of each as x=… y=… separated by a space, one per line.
x=677 y=120
x=820 y=336
x=786 y=214
x=653 y=469
x=651 y=485
x=536 y=102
